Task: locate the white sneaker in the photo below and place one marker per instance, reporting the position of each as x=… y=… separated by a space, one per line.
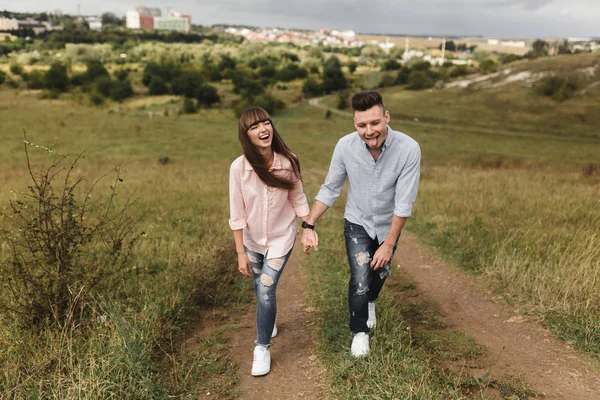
x=274 y=329
x=360 y=344
x=262 y=361
x=372 y=321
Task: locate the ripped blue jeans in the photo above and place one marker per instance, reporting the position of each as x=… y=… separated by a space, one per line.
x=266 y=273
x=365 y=284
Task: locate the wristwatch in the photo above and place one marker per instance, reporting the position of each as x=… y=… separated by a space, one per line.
x=306 y=225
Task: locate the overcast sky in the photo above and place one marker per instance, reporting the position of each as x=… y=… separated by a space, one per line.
x=491 y=18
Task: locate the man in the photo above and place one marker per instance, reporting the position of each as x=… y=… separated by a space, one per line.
x=383 y=167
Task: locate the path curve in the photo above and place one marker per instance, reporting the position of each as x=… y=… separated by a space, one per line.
x=518 y=347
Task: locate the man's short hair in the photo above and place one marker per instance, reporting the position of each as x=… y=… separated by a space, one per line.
x=362 y=101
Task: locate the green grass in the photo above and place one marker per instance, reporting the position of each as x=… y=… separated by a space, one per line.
x=508 y=191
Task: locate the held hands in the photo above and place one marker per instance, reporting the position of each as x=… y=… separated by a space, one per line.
x=244 y=264
x=382 y=256
x=310 y=239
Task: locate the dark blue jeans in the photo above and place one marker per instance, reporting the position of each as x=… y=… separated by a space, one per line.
x=266 y=273
x=365 y=284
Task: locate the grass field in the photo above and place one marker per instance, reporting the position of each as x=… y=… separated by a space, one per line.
x=509 y=192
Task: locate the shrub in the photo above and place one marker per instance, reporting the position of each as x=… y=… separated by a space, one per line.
x=96 y=99
x=419 y=80
x=121 y=74
x=343 y=102
x=391 y=65
x=188 y=83
x=387 y=80
x=189 y=106
x=104 y=85
x=558 y=88
x=291 y=72
x=56 y=78
x=62 y=246
x=488 y=65
x=95 y=70
x=333 y=77
x=352 y=65
x=16 y=68
x=207 y=95
x=35 y=80
x=164 y=71
x=120 y=90
x=459 y=70
x=403 y=75
x=312 y=88
x=158 y=86
x=2 y=77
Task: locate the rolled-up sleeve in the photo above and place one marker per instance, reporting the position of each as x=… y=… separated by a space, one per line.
x=237 y=211
x=408 y=184
x=297 y=199
x=332 y=187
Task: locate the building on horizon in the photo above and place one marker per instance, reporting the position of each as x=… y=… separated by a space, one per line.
x=132 y=20
x=143 y=10
x=8 y=24
x=146 y=18
x=95 y=23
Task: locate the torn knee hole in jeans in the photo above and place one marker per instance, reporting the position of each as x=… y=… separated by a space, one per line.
x=252 y=258
x=266 y=280
x=275 y=263
x=362 y=258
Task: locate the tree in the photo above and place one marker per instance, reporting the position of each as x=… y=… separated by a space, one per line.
x=391 y=65
x=402 y=77
x=120 y=90
x=158 y=86
x=540 y=48
x=419 y=80
x=95 y=69
x=56 y=78
x=312 y=88
x=2 y=77
x=333 y=77
x=488 y=65
x=109 y=18
x=188 y=83
x=207 y=95
x=450 y=45
x=352 y=65
x=564 y=48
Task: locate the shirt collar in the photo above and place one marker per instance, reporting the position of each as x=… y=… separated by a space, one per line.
x=276 y=163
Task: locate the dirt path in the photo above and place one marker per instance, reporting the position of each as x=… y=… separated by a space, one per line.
x=517 y=347
x=294 y=371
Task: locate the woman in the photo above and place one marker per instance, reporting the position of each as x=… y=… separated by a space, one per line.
x=266 y=198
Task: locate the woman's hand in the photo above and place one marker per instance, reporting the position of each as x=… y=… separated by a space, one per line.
x=244 y=264
x=310 y=239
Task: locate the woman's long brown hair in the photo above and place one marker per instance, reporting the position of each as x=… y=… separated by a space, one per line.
x=252 y=116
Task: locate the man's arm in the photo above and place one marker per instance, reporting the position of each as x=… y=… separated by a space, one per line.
x=309 y=236
x=328 y=194
x=383 y=255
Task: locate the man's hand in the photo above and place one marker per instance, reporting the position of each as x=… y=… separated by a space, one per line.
x=310 y=239
x=244 y=264
x=382 y=256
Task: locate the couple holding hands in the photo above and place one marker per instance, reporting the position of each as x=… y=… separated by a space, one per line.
x=266 y=198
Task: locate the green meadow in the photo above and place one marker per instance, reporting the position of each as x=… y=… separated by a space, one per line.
x=509 y=193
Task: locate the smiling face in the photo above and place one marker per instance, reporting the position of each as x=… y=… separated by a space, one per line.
x=261 y=134
x=371 y=126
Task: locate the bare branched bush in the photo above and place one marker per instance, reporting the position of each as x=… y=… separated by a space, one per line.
x=63 y=242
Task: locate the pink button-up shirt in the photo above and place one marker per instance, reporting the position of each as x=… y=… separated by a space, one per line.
x=267 y=215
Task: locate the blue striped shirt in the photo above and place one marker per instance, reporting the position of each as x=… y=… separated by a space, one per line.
x=378 y=189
